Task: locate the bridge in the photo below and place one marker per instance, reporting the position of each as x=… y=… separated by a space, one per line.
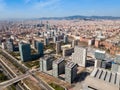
x=16 y=77
x=12 y=81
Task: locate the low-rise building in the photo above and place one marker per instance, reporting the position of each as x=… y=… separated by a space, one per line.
x=101 y=79
x=100 y=55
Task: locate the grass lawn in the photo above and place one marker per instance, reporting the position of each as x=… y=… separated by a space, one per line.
x=56 y=87
x=31 y=64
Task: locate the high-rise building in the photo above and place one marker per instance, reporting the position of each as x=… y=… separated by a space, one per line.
x=40 y=48
x=34 y=44
x=47 y=26
x=51 y=33
x=46 y=41
x=58 y=47
x=10 y=45
x=74 y=43
x=65 y=39
x=100 y=55
x=41 y=64
x=67 y=51
x=98 y=63
x=79 y=56
x=25 y=51
x=1 y=40
x=58 y=67
x=46 y=63
x=42 y=34
x=70 y=72
x=55 y=31
x=4 y=45
x=55 y=39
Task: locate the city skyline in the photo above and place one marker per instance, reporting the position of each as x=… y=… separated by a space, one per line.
x=57 y=8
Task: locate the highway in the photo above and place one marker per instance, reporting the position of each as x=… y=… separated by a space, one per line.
x=8 y=68
x=11 y=71
x=42 y=84
x=12 y=81
x=14 y=60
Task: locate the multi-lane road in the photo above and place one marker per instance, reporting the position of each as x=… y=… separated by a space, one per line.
x=24 y=69
x=12 y=81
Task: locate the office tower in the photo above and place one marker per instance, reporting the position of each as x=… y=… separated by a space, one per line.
x=51 y=33
x=70 y=72
x=74 y=43
x=1 y=40
x=55 y=31
x=47 y=26
x=9 y=44
x=34 y=44
x=40 y=48
x=79 y=56
x=67 y=51
x=58 y=67
x=42 y=34
x=58 y=47
x=4 y=45
x=41 y=64
x=97 y=64
x=46 y=41
x=46 y=63
x=55 y=39
x=65 y=39
x=59 y=37
x=25 y=51
x=29 y=41
x=100 y=55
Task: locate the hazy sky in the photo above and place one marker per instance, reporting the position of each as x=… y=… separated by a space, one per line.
x=51 y=8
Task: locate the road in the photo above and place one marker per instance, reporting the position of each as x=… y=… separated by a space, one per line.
x=14 y=60
x=12 y=81
x=43 y=84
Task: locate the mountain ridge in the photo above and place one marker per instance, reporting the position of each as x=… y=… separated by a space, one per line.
x=80 y=17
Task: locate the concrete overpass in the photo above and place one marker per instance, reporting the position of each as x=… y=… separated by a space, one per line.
x=12 y=81
x=41 y=83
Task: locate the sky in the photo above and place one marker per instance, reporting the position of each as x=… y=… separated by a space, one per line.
x=58 y=8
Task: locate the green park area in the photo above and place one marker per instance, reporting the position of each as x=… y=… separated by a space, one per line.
x=56 y=87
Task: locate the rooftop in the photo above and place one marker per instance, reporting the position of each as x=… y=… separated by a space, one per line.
x=102 y=79
x=59 y=61
x=70 y=64
x=100 y=51
x=46 y=57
